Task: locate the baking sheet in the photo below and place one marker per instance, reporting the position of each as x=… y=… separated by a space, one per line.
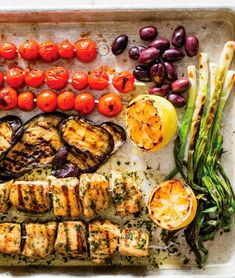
x=213 y=31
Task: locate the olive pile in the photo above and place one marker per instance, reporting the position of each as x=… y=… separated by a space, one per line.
x=155 y=60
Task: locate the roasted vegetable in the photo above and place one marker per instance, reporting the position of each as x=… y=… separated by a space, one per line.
x=71 y=239
x=118 y=133
x=30 y=196
x=8 y=127
x=4 y=196
x=86 y=137
x=36 y=147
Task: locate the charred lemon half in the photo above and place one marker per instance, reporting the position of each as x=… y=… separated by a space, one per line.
x=151 y=122
x=172 y=205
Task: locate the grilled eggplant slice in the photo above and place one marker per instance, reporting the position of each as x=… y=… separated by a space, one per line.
x=8 y=127
x=30 y=196
x=4 y=196
x=40 y=239
x=10 y=238
x=118 y=133
x=36 y=148
x=86 y=137
x=103 y=239
x=71 y=239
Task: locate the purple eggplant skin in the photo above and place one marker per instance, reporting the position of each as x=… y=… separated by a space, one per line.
x=141 y=73
x=148 y=33
x=178 y=36
x=148 y=55
x=176 y=100
x=181 y=85
x=118 y=133
x=173 y=55
x=191 y=46
x=171 y=73
x=61 y=167
x=134 y=51
x=158 y=73
x=160 y=91
x=119 y=44
x=160 y=43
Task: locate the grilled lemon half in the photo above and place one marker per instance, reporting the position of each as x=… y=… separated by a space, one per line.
x=151 y=122
x=172 y=205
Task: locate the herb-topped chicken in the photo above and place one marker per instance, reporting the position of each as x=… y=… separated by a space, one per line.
x=10 y=238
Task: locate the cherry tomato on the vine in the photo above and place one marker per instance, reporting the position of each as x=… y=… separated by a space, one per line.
x=1 y=78
x=15 y=77
x=57 y=77
x=48 y=51
x=29 y=50
x=110 y=105
x=86 y=50
x=26 y=101
x=47 y=101
x=84 y=103
x=8 y=98
x=79 y=80
x=66 y=100
x=123 y=81
x=66 y=49
x=8 y=50
x=34 y=77
x=98 y=79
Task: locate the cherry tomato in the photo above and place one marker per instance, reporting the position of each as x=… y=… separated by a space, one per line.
x=47 y=101
x=84 y=103
x=66 y=100
x=1 y=78
x=123 y=82
x=8 y=98
x=34 y=77
x=26 y=101
x=15 y=77
x=57 y=77
x=86 y=50
x=110 y=105
x=66 y=49
x=98 y=80
x=8 y=50
x=29 y=50
x=79 y=80
x=48 y=51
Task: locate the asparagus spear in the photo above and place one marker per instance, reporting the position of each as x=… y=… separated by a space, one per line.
x=180 y=143
x=225 y=61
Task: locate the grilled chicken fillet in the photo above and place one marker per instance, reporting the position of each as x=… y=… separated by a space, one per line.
x=4 y=196
x=10 y=238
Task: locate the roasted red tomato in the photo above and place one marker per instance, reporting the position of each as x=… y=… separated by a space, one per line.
x=110 y=105
x=66 y=100
x=84 y=103
x=26 y=101
x=79 y=80
x=8 y=50
x=86 y=50
x=66 y=49
x=34 y=77
x=48 y=51
x=8 y=98
x=123 y=81
x=98 y=79
x=47 y=101
x=1 y=78
x=57 y=77
x=29 y=50
x=15 y=77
